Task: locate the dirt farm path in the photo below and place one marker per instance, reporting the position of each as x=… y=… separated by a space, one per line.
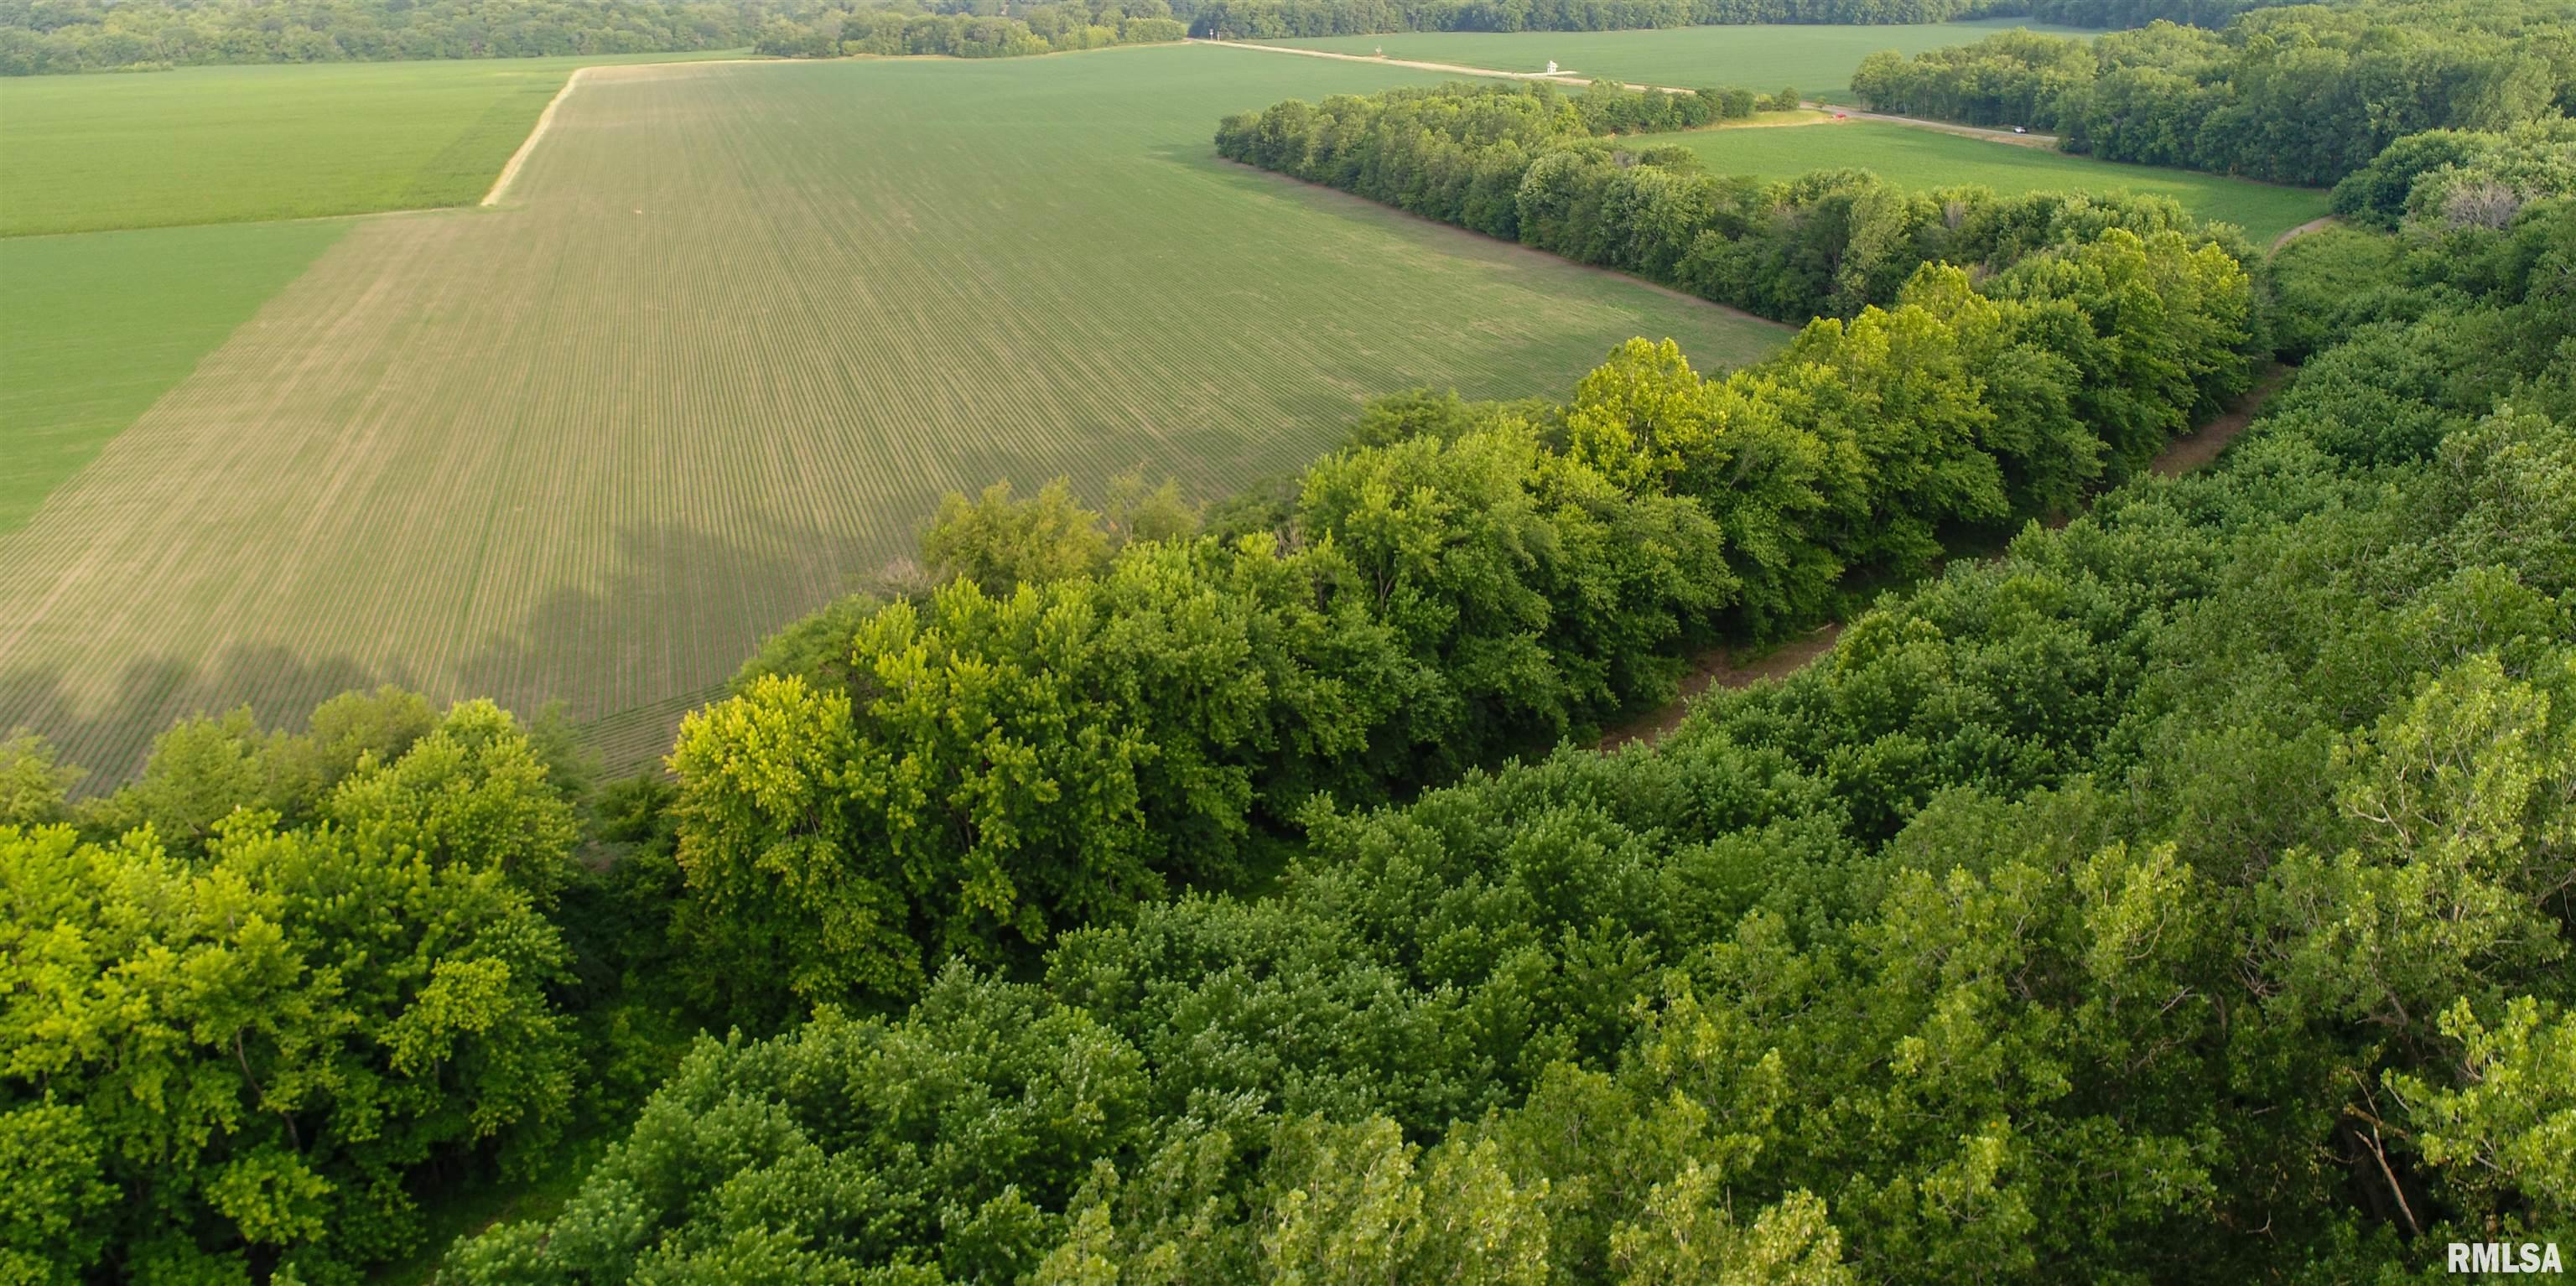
x=545 y=121
x=1720 y=667
x=1460 y=69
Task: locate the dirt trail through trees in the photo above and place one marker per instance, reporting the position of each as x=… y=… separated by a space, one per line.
x=2312 y=225
x=2203 y=444
x=1719 y=668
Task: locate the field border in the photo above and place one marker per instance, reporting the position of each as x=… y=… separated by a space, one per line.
x=1380 y=207
x=545 y=120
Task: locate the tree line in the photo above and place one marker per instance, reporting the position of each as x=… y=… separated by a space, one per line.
x=1530 y=163
x=54 y=36
x=2289 y=95
x=39 y=37
x=2124 y=14
x=843 y=29
x=1274 y=19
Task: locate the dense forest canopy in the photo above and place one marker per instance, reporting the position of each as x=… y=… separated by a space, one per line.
x=2293 y=95
x=1189 y=893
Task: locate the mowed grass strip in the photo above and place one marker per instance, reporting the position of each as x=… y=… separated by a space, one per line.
x=736 y=331
x=243 y=144
x=95 y=328
x=1817 y=60
x=1926 y=159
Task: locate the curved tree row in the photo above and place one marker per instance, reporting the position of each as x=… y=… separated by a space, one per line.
x=1533 y=164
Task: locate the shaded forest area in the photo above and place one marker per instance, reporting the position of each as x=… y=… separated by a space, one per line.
x=1184 y=892
x=2301 y=95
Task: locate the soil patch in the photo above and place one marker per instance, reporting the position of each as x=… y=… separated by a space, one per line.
x=1724 y=668
x=2203 y=444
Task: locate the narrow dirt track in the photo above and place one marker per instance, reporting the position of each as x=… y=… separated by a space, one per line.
x=2203 y=444
x=1455 y=68
x=2312 y=225
x=545 y=121
x=1719 y=668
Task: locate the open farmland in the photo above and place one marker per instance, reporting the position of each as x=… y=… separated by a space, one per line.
x=1919 y=158
x=1815 y=59
x=97 y=327
x=735 y=329
x=235 y=144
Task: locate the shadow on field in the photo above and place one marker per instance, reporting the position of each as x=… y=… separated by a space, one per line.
x=680 y=610
x=111 y=741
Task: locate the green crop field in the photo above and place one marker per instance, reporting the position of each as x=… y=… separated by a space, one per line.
x=237 y=144
x=1817 y=60
x=1928 y=158
x=96 y=327
x=735 y=329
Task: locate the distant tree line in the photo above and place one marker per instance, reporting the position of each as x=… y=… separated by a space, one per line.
x=1272 y=19
x=2183 y=890
x=2292 y=95
x=2124 y=14
x=56 y=36
x=840 y=30
x=49 y=36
